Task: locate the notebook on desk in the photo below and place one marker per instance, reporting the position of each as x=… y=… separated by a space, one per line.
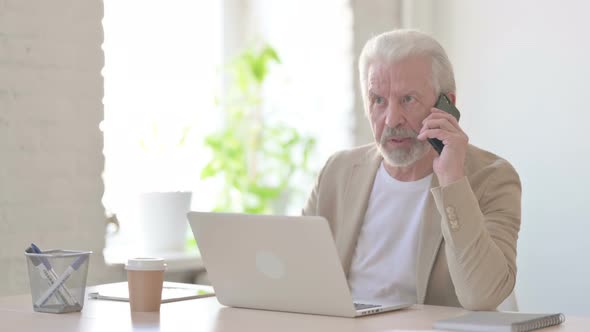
x=493 y=321
x=277 y=263
x=171 y=292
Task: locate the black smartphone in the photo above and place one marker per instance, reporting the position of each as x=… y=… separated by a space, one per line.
x=444 y=104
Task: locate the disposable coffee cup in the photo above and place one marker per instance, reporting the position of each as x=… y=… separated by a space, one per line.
x=145 y=277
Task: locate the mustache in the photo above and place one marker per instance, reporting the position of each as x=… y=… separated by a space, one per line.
x=398 y=133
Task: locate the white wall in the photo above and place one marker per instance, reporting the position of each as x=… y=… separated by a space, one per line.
x=370 y=18
x=50 y=143
x=522 y=69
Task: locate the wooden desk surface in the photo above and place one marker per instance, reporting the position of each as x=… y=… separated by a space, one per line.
x=16 y=313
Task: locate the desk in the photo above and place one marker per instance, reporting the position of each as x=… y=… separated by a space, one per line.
x=202 y=315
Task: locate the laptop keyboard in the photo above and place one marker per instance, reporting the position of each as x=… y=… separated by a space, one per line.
x=361 y=306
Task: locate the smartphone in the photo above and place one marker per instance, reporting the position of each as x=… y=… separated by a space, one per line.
x=444 y=104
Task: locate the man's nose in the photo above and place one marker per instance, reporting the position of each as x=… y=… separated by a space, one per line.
x=395 y=115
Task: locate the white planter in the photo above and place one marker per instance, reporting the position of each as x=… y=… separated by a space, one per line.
x=162 y=221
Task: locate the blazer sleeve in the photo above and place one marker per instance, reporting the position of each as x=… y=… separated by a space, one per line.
x=480 y=236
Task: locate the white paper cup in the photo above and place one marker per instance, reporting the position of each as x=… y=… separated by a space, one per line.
x=145 y=277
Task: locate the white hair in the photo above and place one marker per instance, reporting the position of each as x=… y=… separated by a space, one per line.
x=397 y=45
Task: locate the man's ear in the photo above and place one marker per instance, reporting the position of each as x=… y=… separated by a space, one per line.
x=452 y=97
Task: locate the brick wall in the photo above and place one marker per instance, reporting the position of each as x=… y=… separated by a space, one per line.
x=51 y=147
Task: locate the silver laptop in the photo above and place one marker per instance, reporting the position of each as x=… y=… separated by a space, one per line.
x=276 y=263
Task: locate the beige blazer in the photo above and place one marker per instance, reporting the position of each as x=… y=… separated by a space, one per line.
x=467 y=241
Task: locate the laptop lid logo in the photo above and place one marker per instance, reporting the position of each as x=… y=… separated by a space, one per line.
x=270 y=265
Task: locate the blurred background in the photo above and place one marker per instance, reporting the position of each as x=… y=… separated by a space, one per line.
x=113 y=115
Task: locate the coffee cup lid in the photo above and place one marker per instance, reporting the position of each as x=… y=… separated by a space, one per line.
x=145 y=264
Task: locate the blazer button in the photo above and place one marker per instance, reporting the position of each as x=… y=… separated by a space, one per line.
x=450 y=210
x=454 y=223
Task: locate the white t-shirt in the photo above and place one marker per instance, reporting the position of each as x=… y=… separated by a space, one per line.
x=383 y=268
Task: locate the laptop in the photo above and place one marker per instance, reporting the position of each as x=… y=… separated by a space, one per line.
x=276 y=263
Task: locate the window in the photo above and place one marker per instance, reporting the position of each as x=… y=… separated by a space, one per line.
x=161 y=76
x=163 y=65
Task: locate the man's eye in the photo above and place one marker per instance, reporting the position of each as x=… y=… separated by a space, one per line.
x=407 y=99
x=378 y=100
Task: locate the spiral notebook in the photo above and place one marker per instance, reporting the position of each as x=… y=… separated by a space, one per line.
x=488 y=321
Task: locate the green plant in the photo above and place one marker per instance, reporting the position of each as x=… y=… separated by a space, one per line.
x=256 y=157
x=160 y=139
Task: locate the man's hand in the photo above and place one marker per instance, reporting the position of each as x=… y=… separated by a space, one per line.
x=443 y=126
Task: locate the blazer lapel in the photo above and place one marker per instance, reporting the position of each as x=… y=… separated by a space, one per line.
x=358 y=189
x=429 y=242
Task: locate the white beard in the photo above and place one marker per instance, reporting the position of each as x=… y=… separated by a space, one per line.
x=402 y=157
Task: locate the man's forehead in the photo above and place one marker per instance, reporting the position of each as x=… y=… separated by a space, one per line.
x=378 y=76
x=411 y=70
